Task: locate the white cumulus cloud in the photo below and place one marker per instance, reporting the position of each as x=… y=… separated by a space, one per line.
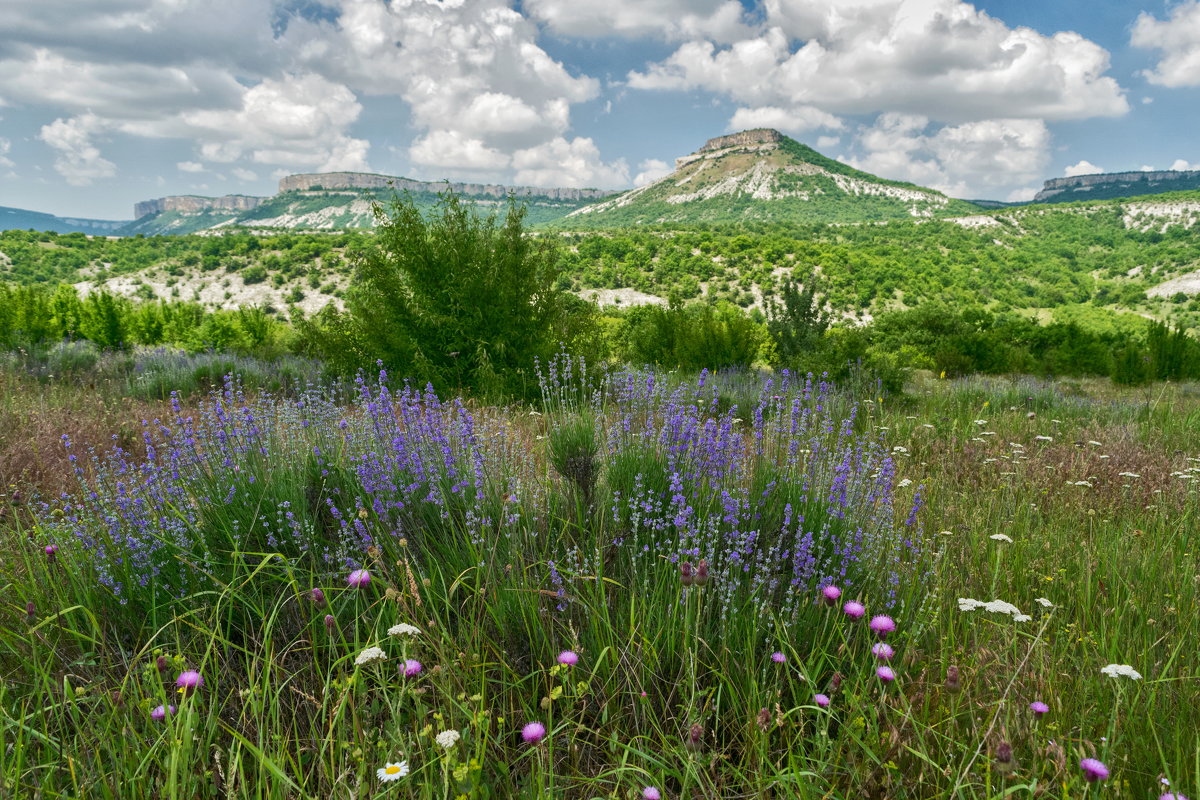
x=939 y=58
x=575 y=163
x=1178 y=41
x=78 y=159
x=1183 y=166
x=651 y=170
x=1082 y=168
x=790 y=120
x=721 y=20
x=189 y=166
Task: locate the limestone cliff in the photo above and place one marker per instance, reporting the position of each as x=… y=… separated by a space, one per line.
x=1116 y=184
x=191 y=203
x=364 y=180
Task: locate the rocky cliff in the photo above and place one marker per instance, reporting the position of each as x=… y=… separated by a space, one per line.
x=1116 y=184
x=191 y=203
x=364 y=180
x=743 y=138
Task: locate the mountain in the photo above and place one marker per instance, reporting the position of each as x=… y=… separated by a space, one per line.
x=19 y=219
x=762 y=175
x=1112 y=185
x=338 y=200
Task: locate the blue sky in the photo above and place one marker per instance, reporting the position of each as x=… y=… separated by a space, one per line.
x=107 y=102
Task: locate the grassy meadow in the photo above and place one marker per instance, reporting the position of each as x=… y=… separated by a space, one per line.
x=623 y=591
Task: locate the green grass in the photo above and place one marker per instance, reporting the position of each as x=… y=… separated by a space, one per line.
x=286 y=712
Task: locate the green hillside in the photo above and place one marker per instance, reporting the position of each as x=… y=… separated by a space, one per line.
x=21 y=220
x=765 y=177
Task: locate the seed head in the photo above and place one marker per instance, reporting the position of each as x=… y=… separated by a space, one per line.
x=695 y=737
x=1005 y=764
x=953 y=680
x=685 y=573
x=701 y=578
x=317 y=596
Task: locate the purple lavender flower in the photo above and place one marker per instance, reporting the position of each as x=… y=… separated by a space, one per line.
x=886 y=674
x=831 y=594
x=568 y=658
x=883 y=651
x=778 y=657
x=854 y=609
x=412 y=667
x=189 y=681
x=882 y=625
x=1093 y=770
x=1039 y=708
x=161 y=712
x=533 y=732
x=358 y=579
x=821 y=700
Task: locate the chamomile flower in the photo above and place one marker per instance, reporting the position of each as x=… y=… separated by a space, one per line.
x=392 y=772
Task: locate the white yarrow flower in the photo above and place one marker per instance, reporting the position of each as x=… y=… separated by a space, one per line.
x=904 y=482
x=1001 y=537
x=392 y=772
x=1113 y=670
x=1044 y=602
x=369 y=655
x=1044 y=438
x=447 y=739
x=403 y=629
x=1021 y=618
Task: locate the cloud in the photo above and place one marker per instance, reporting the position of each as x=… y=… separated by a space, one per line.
x=789 y=120
x=1082 y=168
x=968 y=160
x=943 y=59
x=826 y=142
x=651 y=170
x=1022 y=195
x=190 y=166
x=5 y=146
x=1183 y=166
x=575 y=163
x=78 y=160
x=451 y=149
x=244 y=174
x=721 y=20
x=1177 y=39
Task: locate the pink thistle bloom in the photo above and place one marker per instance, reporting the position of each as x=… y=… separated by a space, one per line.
x=162 y=712
x=778 y=657
x=831 y=594
x=568 y=658
x=651 y=793
x=412 y=667
x=51 y=550
x=533 y=732
x=886 y=674
x=854 y=609
x=330 y=622
x=1171 y=796
x=189 y=681
x=317 y=596
x=1094 y=769
x=821 y=700
x=1039 y=708
x=883 y=651
x=358 y=579
x=882 y=624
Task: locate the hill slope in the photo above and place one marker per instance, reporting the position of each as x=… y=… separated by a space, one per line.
x=1115 y=185
x=761 y=175
x=19 y=219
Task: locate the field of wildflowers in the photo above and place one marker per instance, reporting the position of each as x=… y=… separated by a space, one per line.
x=645 y=586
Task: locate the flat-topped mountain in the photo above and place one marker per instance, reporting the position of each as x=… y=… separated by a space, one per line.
x=1111 y=185
x=317 y=181
x=22 y=219
x=762 y=175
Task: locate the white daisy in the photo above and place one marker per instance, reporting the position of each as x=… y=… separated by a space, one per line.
x=369 y=655
x=448 y=739
x=403 y=629
x=392 y=772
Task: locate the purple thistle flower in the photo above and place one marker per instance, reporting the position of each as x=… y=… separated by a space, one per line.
x=886 y=674
x=854 y=609
x=1039 y=708
x=412 y=667
x=189 y=681
x=162 y=665
x=831 y=595
x=821 y=700
x=1171 y=796
x=533 y=732
x=162 y=712
x=358 y=578
x=330 y=623
x=1094 y=770
x=882 y=625
x=883 y=651
x=568 y=658
x=51 y=551
x=317 y=596
x=778 y=657
x=651 y=793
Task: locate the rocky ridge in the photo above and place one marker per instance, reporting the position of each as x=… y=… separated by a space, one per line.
x=1115 y=184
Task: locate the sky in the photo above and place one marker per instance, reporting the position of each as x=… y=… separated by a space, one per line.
x=107 y=102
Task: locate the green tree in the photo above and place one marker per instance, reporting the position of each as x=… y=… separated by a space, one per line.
x=454 y=298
